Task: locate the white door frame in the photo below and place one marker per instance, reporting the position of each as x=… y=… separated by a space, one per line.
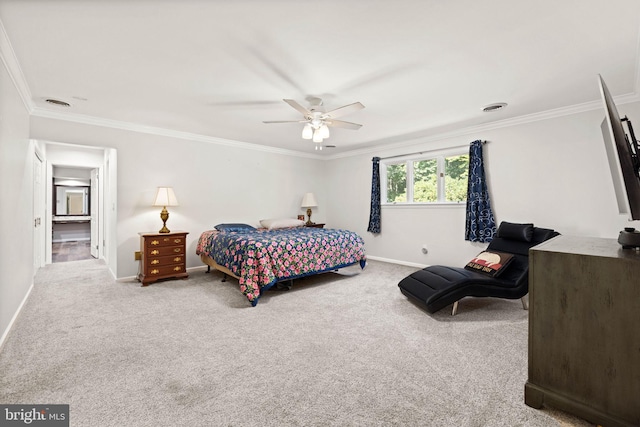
x=96 y=212
x=39 y=211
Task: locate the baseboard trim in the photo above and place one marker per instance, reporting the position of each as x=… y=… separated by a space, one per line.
x=5 y=334
x=396 y=261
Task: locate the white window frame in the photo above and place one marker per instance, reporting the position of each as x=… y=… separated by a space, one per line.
x=408 y=160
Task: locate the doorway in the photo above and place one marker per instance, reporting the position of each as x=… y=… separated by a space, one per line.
x=75 y=207
x=88 y=179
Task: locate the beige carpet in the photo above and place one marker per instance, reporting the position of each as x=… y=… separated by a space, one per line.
x=336 y=350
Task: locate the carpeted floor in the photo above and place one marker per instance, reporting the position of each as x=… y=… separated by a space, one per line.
x=71 y=251
x=336 y=350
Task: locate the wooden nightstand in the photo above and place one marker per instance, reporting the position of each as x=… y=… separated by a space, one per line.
x=163 y=256
x=314 y=225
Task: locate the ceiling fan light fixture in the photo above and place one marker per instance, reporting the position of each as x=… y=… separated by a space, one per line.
x=324 y=131
x=307 y=131
x=317 y=121
x=317 y=137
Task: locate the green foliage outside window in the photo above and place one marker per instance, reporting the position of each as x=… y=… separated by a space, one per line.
x=456 y=172
x=397 y=183
x=425 y=180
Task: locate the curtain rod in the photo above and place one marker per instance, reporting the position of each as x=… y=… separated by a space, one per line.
x=427 y=151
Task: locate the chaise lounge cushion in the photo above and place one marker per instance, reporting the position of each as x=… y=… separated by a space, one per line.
x=513 y=231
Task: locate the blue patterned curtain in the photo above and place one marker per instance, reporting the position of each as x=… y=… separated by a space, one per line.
x=480 y=226
x=374 y=215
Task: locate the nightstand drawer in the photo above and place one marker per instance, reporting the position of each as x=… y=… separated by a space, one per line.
x=157 y=242
x=167 y=270
x=164 y=251
x=164 y=260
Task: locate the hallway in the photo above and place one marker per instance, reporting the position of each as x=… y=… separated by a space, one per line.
x=71 y=251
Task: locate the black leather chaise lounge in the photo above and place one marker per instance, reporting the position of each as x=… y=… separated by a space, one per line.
x=437 y=286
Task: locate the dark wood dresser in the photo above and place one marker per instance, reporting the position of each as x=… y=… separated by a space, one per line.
x=163 y=256
x=584 y=329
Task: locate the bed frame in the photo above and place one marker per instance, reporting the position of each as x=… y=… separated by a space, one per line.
x=212 y=263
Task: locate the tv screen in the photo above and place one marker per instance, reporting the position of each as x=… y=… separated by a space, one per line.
x=622 y=153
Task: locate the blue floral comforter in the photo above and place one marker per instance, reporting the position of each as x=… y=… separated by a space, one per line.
x=262 y=257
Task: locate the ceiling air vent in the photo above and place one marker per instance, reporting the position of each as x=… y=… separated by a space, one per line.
x=58 y=102
x=494 y=107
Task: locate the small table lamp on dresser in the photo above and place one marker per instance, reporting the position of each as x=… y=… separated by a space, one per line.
x=309 y=201
x=165 y=197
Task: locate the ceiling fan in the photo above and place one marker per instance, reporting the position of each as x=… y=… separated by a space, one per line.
x=318 y=121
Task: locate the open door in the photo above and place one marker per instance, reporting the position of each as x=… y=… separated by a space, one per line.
x=95 y=213
x=38 y=212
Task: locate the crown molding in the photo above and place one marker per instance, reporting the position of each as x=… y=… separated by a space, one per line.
x=529 y=118
x=10 y=61
x=169 y=133
x=134 y=127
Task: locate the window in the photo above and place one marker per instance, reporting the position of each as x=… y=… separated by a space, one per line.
x=425 y=179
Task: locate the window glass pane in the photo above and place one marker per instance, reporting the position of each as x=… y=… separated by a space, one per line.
x=397 y=183
x=456 y=170
x=425 y=181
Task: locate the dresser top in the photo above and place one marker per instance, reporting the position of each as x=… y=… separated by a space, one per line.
x=591 y=246
x=155 y=233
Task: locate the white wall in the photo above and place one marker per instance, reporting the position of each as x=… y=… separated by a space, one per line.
x=16 y=209
x=552 y=172
x=214 y=183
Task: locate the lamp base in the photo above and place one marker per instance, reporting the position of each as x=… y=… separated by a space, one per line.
x=164 y=216
x=309 y=217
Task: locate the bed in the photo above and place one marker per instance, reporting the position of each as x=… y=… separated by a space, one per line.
x=260 y=258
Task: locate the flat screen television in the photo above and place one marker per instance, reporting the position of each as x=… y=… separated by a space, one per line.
x=622 y=153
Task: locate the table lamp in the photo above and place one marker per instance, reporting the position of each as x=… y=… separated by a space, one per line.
x=165 y=197
x=309 y=201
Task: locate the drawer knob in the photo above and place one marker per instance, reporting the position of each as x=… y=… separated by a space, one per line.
x=155 y=242
x=155 y=261
x=177 y=259
x=177 y=268
x=177 y=250
x=177 y=241
x=154 y=271
x=155 y=252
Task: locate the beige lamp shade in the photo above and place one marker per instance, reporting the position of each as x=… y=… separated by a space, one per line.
x=309 y=201
x=165 y=197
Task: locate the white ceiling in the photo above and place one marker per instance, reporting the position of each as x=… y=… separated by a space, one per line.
x=218 y=68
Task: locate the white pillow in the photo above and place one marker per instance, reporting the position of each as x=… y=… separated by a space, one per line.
x=274 y=223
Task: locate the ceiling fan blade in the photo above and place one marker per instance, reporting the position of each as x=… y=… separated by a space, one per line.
x=343 y=124
x=298 y=107
x=285 y=121
x=343 y=110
